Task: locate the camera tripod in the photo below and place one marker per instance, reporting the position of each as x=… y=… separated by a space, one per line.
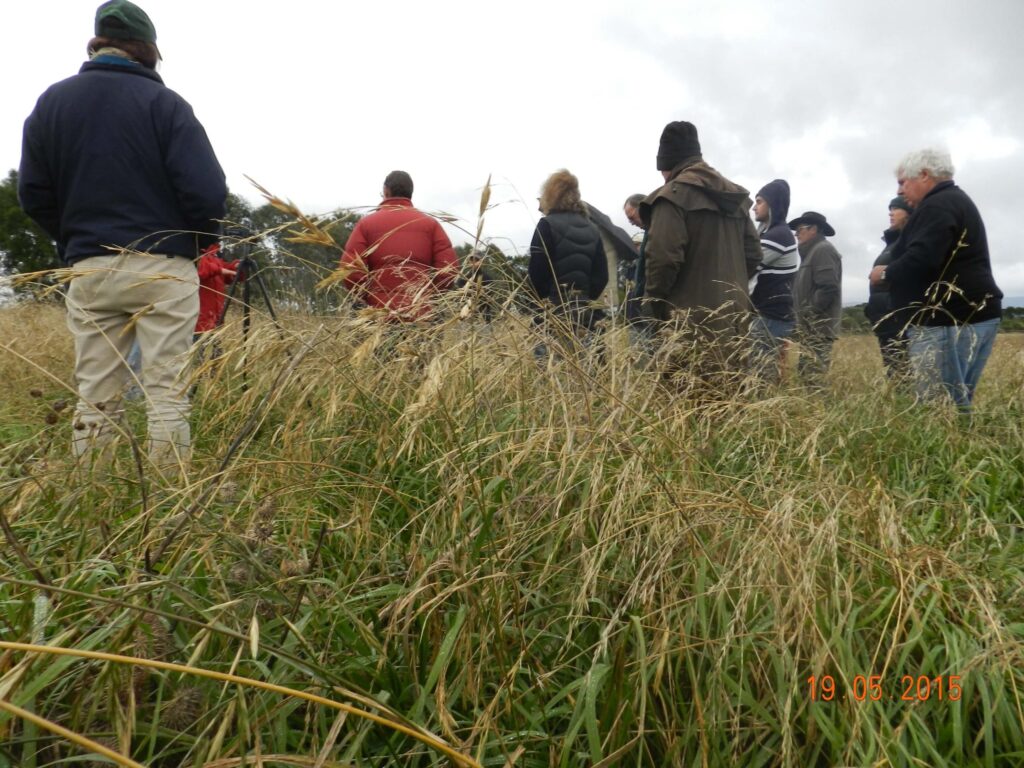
x=247 y=273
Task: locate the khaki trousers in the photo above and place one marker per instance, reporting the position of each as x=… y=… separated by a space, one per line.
x=113 y=301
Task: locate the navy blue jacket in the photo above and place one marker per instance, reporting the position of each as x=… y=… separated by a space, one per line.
x=772 y=293
x=944 y=244
x=111 y=157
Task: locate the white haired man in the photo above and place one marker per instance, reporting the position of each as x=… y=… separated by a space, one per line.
x=941 y=269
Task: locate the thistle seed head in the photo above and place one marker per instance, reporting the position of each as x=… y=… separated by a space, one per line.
x=261 y=531
x=294 y=567
x=267 y=509
x=228 y=492
x=240 y=573
x=184 y=709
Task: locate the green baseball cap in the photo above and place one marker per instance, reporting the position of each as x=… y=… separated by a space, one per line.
x=122 y=20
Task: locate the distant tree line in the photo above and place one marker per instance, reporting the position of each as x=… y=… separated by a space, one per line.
x=24 y=246
x=293 y=261
x=854 y=321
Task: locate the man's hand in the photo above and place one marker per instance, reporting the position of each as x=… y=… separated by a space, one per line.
x=876 y=277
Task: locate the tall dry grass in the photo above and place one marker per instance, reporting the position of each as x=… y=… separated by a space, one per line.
x=553 y=563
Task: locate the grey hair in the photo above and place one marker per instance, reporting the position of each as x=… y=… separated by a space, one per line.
x=937 y=162
x=634 y=200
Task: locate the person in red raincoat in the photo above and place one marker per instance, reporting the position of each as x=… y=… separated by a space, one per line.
x=214 y=276
x=398 y=257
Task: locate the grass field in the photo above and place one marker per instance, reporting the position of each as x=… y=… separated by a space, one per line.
x=506 y=563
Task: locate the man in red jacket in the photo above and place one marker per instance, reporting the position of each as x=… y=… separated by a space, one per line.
x=399 y=258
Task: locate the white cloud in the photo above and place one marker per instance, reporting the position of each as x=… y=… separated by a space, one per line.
x=318 y=100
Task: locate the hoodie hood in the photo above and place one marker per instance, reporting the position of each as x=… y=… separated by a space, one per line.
x=776 y=194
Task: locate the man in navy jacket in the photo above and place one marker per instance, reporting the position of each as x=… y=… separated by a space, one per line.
x=116 y=168
x=941 y=271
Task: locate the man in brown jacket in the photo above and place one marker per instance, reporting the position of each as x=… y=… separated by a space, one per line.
x=817 y=295
x=702 y=249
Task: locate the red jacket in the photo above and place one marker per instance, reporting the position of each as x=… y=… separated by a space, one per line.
x=212 y=287
x=400 y=259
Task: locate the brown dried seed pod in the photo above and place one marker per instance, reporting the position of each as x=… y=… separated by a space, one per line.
x=267 y=509
x=140 y=678
x=294 y=567
x=101 y=406
x=184 y=709
x=228 y=492
x=59 y=405
x=240 y=573
x=260 y=532
x=152 y=638
x=36 y=392
x=51 y=418
x=79 y=425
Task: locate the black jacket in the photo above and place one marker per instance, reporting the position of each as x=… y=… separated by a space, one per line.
x=112 y=157
x=566 y=256
x=940 y=265
x=879 y=309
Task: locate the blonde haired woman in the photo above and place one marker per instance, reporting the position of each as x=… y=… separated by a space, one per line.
x=567 y=266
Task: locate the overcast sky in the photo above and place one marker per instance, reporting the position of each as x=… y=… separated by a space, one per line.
x=318 y=100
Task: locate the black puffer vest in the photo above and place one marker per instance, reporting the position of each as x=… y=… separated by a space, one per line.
x=574 y=242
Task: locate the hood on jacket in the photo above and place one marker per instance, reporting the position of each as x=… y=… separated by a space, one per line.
x=727 y=196
x=776 y=194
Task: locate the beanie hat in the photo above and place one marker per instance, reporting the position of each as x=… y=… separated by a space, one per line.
x=900 y=202
x=678 y=142
x=123 y=20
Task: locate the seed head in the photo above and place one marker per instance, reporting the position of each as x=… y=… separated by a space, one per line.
x=267 y=509
x=184 y=709
x=228 y=492
x=240 y=573
x=294 y=567
x=51 y=418
x=36 y=392
x=152 y=639
x=59 y=405
x=261 y=531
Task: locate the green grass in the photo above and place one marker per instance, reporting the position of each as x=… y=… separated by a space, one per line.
x=543 y=565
